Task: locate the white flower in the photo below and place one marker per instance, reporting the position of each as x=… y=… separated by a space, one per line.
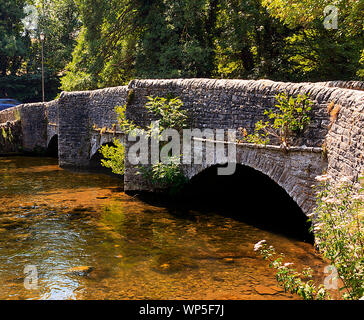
x=345 y=180
x=321 y=292
x=287 y=264
x=317 y=228
x=323 y=178
x=259 y=245
x=358 y=197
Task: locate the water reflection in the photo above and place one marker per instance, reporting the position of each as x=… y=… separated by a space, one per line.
x=58 y=220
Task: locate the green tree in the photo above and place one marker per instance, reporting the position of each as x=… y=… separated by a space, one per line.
x=176 y=38
x=278 y=39
x=59 y=21
x=14 y=41
x=317 y=53
x=21 y=23
x=250 y=42
x=303 y=12
x=104 y=55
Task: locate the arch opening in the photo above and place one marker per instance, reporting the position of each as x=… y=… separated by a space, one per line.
x=52 y=148
x=248 y=196
x=95 y=161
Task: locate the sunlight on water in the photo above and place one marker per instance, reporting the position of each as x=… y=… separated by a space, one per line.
x=57 y=221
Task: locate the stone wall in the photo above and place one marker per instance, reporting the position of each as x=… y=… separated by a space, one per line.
x=294 y=170
x=11 y=114
x=345 y=138
x=11 y=137
x=231 y=104
x=337 y=118
x=34 y=127
x=52 y=118
x=353 y=85
x=33 y=123
x=79 y=113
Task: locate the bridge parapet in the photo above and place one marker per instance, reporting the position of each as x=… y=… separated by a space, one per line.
x=352 y=85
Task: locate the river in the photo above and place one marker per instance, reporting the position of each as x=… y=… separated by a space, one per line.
x=55 y=220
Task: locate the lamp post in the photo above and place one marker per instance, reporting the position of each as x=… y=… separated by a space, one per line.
x=42 y=37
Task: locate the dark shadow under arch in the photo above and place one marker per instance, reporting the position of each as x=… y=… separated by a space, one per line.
x=250 y=196
x=52 y=149
x=95 y=162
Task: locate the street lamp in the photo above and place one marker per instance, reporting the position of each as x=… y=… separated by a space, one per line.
x=42 y=37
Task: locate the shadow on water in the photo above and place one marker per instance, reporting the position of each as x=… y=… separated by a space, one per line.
x=61 y=221
x=247 y=196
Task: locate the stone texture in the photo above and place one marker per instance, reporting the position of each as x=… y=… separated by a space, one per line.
x=79 y=113
x=11 y=137
x=33 y=123
x=211 y=103
x=354 y=85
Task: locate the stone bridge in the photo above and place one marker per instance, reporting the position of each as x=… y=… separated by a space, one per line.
x=78 y=123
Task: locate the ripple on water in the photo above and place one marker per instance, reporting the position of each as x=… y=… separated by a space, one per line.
x=57 y=220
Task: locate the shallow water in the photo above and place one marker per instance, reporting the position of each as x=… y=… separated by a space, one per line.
x=56 y=220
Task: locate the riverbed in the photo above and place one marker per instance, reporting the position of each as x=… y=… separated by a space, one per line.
x=56 y=220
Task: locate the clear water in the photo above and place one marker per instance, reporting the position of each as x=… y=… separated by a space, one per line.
x=57 y=220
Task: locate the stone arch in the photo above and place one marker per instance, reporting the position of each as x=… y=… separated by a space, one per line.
x=248 y=195
x=95 y=159
x=98 y=140
x=52 y=146
x=294 y=171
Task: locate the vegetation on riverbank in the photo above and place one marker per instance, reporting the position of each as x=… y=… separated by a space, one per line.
x=338 y=226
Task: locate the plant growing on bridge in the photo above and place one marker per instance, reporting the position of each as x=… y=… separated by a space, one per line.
x=169 y=111
x=170 y=115
x=166 y=175
x=7 y=135
x=289 y=117
x=114 y=157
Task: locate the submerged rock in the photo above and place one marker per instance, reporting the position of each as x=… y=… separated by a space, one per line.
x=266 y=290
x=12 y=223
x=80 y=271
x=80 y=213
x=167 y=263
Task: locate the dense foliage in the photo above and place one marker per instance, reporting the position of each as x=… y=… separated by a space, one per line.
x=253 y=39
x=114 y=157
x=100 y=43
x=21 y=22
x=338 y=225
